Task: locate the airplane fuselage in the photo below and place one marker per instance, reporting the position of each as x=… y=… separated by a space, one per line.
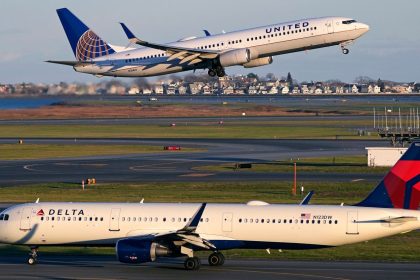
x=227 y=226
x=262 y=43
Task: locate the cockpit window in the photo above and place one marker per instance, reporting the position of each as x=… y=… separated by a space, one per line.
x=6 y=217
x=1 y=217
x=348 y=21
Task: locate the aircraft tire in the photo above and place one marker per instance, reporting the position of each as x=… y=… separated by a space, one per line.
x=216 y=259
x=31 y=261
x=346 y=51
x=212 y=73
x=192 y=263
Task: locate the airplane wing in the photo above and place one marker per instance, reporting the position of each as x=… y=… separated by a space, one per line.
x=192 y=56
x=186 y=235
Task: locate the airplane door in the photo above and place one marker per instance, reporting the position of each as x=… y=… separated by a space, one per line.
x=352 y=225
x=227 y=222
x=114 y=219
x=330 y=26
x=25 y=219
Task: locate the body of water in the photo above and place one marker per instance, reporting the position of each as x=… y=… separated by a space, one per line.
x=10 y=103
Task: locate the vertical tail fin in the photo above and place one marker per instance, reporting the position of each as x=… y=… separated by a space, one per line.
x=85 y=43
x=401 y=186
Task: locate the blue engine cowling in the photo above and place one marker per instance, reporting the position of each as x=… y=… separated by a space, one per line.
x=133 y=250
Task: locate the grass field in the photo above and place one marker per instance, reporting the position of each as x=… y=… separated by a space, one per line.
x=398 y=248
x=344 y=164
x=40 y=151
x=194 y=130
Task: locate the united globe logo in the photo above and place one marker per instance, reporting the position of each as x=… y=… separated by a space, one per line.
x=90 y=46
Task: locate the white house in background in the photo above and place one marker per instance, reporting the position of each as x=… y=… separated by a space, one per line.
x=207 y=90
x=354 y=89
x=147 y=91
x=252 y=90
x=383 y=156
x=318 y=90
x=374 y=89
x=134 y=90
x=305 y=89
x=182 y=90
x=339 y=89
x=285 y=90
x=159 y=89
x=228 y=90
x=273 y=90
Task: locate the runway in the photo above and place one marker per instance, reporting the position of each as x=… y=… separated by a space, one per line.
x=106 y=267
x=181 y=166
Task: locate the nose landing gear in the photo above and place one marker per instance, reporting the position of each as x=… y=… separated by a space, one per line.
x=343 y=46
x=33 y=256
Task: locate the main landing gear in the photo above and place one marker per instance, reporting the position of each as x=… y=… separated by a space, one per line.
x=216 y=259
x=33 y=256
x=218 y=70
x=192 y=263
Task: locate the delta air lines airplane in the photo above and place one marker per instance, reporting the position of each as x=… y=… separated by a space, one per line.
x=248 y=48
x=144 y=232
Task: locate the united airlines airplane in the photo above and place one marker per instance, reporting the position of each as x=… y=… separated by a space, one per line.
x=248 y=48
x=144 y=232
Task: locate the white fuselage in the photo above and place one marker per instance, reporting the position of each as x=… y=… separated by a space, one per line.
x=263 y=42
x=227 y=226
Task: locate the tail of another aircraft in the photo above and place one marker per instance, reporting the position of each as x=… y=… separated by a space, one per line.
x=401 y=186
x=85 y=43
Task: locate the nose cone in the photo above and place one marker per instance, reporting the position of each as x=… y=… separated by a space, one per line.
x=364 y=27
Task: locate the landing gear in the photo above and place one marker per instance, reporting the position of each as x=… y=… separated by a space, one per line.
x=216 y=259
x=218 y=70
x=212 y=73
x=33 y=256
x=193 y=263
x=343 y=46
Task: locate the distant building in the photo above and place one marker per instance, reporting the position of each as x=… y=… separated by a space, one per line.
x=384 y=156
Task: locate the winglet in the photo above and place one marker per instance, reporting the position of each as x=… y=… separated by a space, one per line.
x=127 y=32
x=307 y=198
x=193 y=223
x=208 y=34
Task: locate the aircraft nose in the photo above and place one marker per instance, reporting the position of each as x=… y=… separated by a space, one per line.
x=364 y=26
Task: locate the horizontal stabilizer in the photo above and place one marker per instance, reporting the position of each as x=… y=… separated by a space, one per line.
x=70 y=63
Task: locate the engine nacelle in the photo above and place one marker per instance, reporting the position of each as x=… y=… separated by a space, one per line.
x=133 y=250
x=259 y=62
x=235 y=57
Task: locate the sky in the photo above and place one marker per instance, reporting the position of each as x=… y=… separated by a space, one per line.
x=30 y=33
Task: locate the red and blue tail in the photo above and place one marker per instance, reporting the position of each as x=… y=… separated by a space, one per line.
x=401 y=186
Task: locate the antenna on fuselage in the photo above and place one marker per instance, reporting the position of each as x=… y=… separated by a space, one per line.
x=142 y=201
x=37 y=201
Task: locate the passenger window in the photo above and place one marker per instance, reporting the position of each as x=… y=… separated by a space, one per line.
x=42 y=218
x=80 y=219
x=164 y=219
x=96 y=219
x=52 y=218
x=207 y=220
x=90 y=219
x=240 y=220
x=102 y=219
x=6 y=217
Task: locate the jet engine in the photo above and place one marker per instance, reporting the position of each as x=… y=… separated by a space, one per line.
x=133 y=250
x=259 y=62
x=235 y=57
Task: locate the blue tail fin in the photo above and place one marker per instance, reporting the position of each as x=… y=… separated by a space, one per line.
x=85 y=43
x=401 y=186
